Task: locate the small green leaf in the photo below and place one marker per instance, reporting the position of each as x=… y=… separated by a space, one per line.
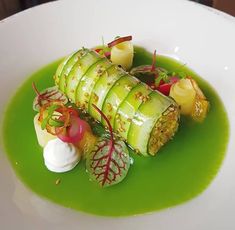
x=182 y=75
x=49 y=112
x=44 y=123
x=55 y=123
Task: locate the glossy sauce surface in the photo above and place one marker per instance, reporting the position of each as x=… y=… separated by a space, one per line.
x=182 y=169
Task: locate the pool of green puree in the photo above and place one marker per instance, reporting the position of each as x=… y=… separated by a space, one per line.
x=181 y=170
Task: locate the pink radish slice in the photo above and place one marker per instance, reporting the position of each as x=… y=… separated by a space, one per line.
x=75 y=132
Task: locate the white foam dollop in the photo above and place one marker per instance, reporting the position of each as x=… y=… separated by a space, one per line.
x=60 y=156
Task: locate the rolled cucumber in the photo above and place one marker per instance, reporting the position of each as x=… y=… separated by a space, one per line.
x=78 y=70
x=129 y=108
x=102 y=87
x=144 y=118
x=88 y=81
x=116 y=96
x=67 y=66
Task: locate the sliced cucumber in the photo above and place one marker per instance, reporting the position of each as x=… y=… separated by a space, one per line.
x=116 y=95
x=84 y=89
x=79 y=69
x=102 y=87
x=129 y=107
x=60 y=68
x=144 y=120
x=68 y=67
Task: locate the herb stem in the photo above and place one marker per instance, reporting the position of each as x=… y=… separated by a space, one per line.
x=107 y=121
x=35 y=89
x=153 y=68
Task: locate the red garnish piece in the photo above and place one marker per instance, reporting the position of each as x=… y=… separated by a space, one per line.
x=103 y=52
x=98 y=50
x=63 y=122
x=75 y=131
x=107 y=54
x=165 y=88
x=109 y=162
x=119 y=40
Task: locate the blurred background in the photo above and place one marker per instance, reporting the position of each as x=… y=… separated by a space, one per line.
x=9 y=7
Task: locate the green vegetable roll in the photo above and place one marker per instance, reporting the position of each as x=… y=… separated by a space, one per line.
x=144 y=118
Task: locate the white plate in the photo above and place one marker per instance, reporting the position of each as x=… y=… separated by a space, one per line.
x=201 y=37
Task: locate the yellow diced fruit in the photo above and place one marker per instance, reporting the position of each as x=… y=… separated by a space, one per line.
x=122 y=54
x=200 y=109
x=197 y=89
x=201 y=105
x=184 y=94
x=87 y=143
x=191 y=99
x=42 y=135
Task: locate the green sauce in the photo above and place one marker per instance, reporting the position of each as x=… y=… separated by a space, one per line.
x=182 y=169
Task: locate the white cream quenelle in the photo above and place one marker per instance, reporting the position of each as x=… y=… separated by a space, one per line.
x=60 y=156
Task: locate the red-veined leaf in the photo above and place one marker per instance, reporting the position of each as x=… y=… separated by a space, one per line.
x=108 y=165
x=109 y=161
x=47 y=95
